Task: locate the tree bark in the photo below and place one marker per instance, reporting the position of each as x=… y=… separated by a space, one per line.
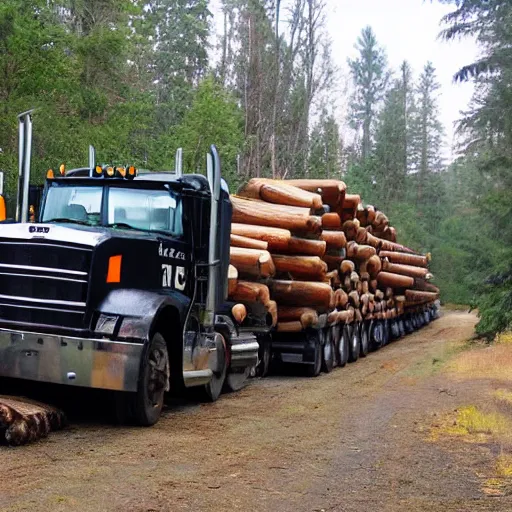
x=301 y=267
x=298 y=293
x=252 y=212
x=248 y=243
x=394 y=280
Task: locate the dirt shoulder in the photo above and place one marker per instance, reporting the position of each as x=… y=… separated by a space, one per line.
x=371 y=436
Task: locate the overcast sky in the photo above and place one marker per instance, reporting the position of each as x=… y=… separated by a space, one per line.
x=408 y=29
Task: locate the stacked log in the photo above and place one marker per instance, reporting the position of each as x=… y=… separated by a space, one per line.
x=311 y=254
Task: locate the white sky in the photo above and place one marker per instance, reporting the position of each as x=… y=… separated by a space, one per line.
x=408 y=29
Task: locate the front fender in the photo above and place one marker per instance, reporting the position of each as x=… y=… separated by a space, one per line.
x=139 y=310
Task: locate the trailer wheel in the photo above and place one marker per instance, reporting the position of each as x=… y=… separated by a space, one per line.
x=376 y=334
x=365 y=339
x=235 y=381
x=343 y=349
x=265 y=356
x=409 y=327
x=314 y=369
x=355 y=344
x=328 y=351
x=385 y=332
x=401 y=327
x=145 y=406
x=336 y=335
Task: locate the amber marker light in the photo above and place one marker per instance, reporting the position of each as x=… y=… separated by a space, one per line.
x=110 y=171
x=132 y=172
x=99 y=170
x=50 y=175
x=114 y=269
x=121 y=171
x=62 y=169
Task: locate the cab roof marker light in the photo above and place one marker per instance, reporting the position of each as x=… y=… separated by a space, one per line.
x=99 y=171
x=50 y=174
x=62 y=169
x=131 y=172
x=108 y=171
x=121 y=171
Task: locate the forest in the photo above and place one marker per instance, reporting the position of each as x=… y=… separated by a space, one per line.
x=139 y=78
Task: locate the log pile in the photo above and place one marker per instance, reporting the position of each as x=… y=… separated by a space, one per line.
x=313 y=255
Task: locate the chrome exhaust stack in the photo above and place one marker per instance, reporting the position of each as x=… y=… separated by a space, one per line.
x=92 y=160
x=24 y=156
x=178 y=163
x=213 y=172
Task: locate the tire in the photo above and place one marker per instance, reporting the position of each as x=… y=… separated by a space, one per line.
x=314 y=369
x=354 y=344
x=375 y=335
x=385 y=329
x=210 y=392
x=235 y=381
x=265 y=357
x=386 y=332
x=401 y=327
x=336 y=331
x=144 y=407
x=408 y=324
x=365 y=339
x=343 y=346
x=328 y=351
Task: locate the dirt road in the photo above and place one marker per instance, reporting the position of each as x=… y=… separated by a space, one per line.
x=354 y=440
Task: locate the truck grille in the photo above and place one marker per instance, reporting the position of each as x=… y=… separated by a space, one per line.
x=43 y=283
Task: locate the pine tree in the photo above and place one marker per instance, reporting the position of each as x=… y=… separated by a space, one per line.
x=370 y=78
x=325 y=148
x=393 y=139
x=428 y=130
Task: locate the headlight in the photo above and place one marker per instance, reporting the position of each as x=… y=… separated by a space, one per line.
x=106 y=324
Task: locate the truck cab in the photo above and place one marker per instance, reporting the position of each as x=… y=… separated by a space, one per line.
x=121 y=284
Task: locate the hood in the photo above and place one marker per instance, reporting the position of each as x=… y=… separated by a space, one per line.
x=72 y=233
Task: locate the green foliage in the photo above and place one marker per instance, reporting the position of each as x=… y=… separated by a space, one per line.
x=370 y=76
x=214 y=117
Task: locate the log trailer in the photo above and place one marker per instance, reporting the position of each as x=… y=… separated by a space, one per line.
x=125 y=281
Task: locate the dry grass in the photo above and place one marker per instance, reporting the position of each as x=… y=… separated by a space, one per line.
x=487 y=362
x=504 y=338
x=504 y=466
x=503 y=396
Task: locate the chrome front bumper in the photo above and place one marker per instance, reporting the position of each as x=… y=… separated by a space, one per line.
x=90 y=363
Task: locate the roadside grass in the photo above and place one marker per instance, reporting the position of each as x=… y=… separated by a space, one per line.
x=473 y=424
x=489 y=423
x=449 y=306
x=437 y=359
x=484 y=361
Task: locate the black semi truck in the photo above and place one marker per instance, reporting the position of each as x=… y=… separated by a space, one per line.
x=121 y=284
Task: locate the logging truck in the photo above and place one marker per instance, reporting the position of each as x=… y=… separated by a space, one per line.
x=142 y=283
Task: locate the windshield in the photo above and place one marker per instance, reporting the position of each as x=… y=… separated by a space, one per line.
x=144 y=209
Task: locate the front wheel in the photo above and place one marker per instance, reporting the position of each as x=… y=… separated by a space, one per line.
x=144 y=407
